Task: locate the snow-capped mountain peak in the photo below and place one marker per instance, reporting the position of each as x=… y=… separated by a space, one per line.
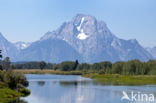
x=81 y=35
x=22 y=45
x=83 y=38
x=95 y=42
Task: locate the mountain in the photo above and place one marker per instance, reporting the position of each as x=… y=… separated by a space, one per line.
x=9 y=49
x=50 y=50
x=95 y=42
x=83 y=38
x=152 y=51
x=22 y=45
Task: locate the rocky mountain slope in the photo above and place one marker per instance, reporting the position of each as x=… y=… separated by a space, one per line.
x=83 y=38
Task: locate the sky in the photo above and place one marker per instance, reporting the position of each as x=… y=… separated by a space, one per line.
x=28 y=20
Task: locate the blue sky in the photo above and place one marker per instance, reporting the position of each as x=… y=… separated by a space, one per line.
x=28 y=20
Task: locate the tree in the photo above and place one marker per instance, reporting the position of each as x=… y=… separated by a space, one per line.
x=42 y=64
x=75 y=65
x=6 y=63
x=95 y=67
x=84 y=67
x=13 y=67
x=66 y=66
x=106 y=66
x=1 y=68
x=132 y=67
x=151 y=67
x=117 y=67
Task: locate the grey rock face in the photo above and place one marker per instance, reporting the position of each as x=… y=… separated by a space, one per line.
x=50 y=50
x=152 y=51
x=22 y=45
x=95 y=42
x=83 y=38
x=8 y=48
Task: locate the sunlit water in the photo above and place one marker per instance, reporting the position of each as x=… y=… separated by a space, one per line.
x=76 y=89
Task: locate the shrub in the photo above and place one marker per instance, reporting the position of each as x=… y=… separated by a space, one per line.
x=24 y=91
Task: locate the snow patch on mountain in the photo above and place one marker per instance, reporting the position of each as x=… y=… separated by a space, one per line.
x=79 y=27
x=22 y=45
x=93 y=40
x=85 y=37
x=82 y=36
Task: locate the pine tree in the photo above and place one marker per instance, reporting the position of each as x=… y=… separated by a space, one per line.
x=1 y=68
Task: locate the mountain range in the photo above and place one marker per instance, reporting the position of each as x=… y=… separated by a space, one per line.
x=84 y=38
x=152 y=51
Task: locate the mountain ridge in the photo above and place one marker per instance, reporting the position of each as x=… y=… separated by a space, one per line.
x=96 y=31
x=152 y=51
x=22 y=45
x=88 y=39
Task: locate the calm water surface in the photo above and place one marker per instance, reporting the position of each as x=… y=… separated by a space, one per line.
x=76 y=89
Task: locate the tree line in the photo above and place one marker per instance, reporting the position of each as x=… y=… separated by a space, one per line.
x=132 y=67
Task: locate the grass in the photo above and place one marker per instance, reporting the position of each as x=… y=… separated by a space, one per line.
x=7 y=95
x=115 y=79
x=46 y=71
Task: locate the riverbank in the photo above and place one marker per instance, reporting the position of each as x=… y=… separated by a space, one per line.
x=115 y=79
x=12 y=86
x=7 y=95
x=47 y=71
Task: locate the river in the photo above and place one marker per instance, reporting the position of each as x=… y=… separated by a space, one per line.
x=76 y=89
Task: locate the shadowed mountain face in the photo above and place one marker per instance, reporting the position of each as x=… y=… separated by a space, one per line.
x=22 y=45
x=95 y=42
x=8 y=48
x=152 y=51
x=50 y=50
x=83 y=38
